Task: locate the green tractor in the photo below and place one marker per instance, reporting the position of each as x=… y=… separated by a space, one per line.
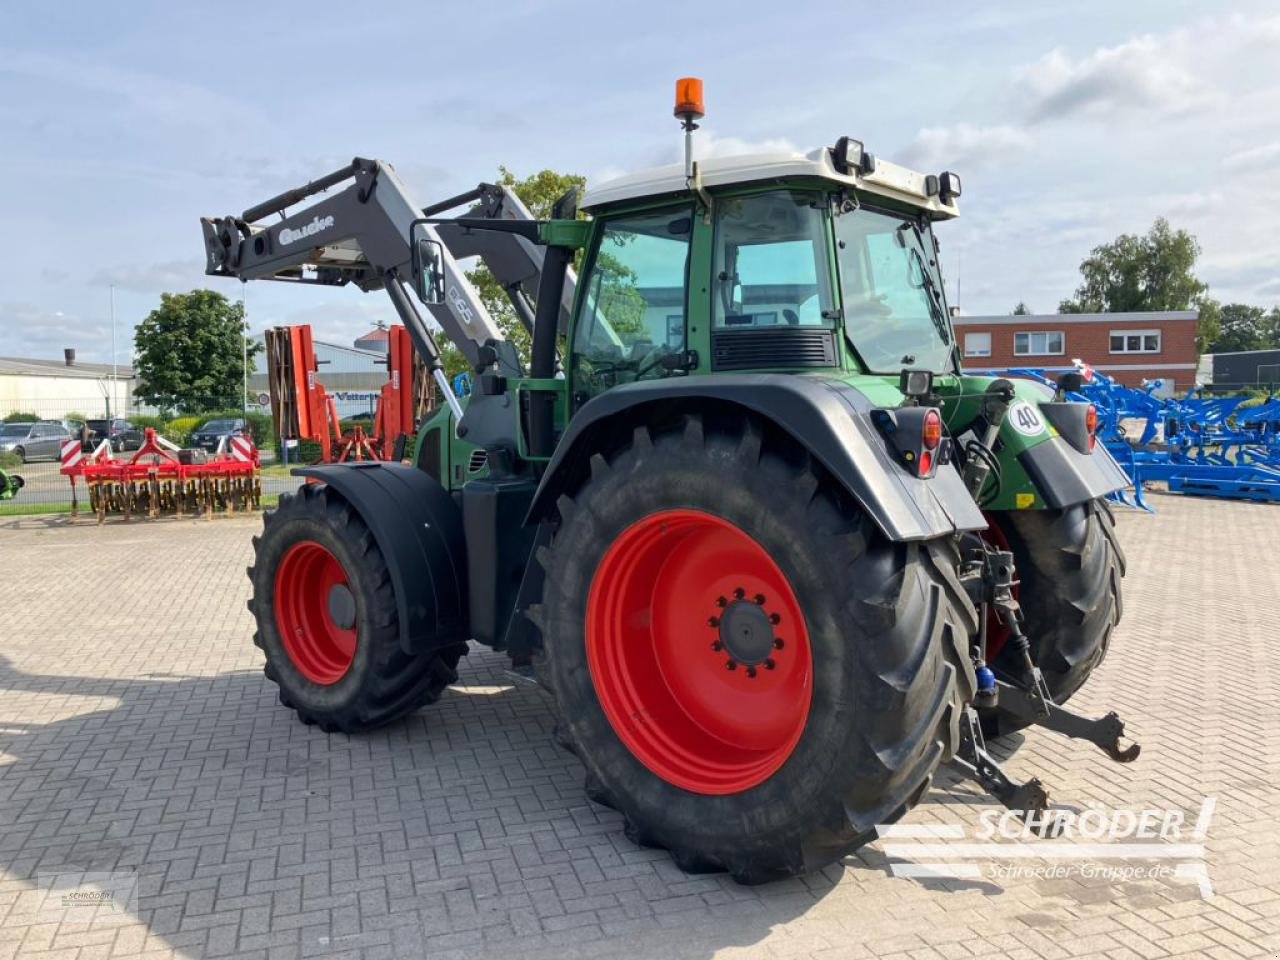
x=771 y=552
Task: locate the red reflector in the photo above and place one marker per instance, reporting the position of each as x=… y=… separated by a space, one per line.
x=931 y=432
x=925 y=463
x=1091 y=424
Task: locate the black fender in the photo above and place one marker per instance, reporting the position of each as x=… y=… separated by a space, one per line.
x=1065 y=475
x=827 y=417
x=418 y=527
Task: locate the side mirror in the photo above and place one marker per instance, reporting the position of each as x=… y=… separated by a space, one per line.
x=428 y=268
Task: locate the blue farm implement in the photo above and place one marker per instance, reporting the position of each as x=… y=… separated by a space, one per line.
x=1206 y=446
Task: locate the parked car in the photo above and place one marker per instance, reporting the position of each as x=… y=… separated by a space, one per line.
x=31 y=441
x=122 y=434
x=208 y=435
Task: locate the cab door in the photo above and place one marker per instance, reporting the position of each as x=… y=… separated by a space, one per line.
x=631 y=321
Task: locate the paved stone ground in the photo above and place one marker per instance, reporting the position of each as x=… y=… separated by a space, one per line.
x=139 y=738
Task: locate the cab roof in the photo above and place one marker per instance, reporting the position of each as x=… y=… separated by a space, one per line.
x=887 y=179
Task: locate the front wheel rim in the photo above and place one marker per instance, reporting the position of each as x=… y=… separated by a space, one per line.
x=315 y=612
x=699 y=652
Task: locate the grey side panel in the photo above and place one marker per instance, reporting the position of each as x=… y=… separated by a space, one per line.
x=418 y=527
x=1065 y=476
x=827 y=417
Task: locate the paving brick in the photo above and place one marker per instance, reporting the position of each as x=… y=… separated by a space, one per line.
x=148 y=741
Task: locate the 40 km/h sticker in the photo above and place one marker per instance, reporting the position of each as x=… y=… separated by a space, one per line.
x=1026 y=419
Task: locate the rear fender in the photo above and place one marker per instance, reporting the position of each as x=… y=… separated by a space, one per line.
x=418 y=527
x=829 y=418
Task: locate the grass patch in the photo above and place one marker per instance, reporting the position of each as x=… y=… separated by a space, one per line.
x=13 y=508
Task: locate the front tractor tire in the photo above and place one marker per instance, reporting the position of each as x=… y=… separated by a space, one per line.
x=1070 y=566
x=327 y=622
x=750 y=673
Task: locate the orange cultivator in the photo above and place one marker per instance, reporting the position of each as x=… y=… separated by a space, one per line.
x=161 y=477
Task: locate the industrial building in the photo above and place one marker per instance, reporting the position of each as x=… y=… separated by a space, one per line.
x=1130 y=347
x=51 y=389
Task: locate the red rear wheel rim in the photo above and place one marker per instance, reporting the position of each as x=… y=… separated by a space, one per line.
x=315 y=612
x=699 y=652
x=997 y=633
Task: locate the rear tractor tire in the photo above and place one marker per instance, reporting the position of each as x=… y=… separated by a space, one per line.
x=327 y=621
x=1070 y=566
x=750 y=673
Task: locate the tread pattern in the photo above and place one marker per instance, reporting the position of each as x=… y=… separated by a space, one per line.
x=901 y=617
x=1071 y=565
x=384 y=683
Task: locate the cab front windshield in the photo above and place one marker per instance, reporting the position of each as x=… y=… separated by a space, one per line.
x=894 y=313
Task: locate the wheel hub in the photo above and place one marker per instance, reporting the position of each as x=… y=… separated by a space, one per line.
x=746 y=631
x=342 y=606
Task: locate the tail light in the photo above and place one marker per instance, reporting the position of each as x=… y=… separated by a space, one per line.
x=931 y=431
x=930 y=437
x=1091 y=424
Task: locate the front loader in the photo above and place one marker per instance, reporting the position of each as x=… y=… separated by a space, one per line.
x=773 y=555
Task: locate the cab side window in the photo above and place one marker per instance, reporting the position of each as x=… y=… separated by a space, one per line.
x=631 y=315
x=771 y=263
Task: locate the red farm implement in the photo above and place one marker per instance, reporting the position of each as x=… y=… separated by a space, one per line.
x=304 y=410
x=162 y=478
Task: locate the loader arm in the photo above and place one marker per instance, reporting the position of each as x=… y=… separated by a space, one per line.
x=515 y=261
x=357 y=234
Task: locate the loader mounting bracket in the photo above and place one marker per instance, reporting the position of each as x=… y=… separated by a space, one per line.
x=1105 y=732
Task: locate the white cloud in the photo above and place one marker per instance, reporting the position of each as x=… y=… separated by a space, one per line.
x=1172 y=72
x=1138 y=74
x=709 y=145
x=172 y=276
x=963 y=146
x=1265 y=157
x=42 y=334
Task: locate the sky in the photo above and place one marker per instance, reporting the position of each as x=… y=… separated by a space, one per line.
x=121 y=124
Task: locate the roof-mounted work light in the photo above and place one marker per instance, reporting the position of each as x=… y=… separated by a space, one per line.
x=849 y=156
x=948 y=186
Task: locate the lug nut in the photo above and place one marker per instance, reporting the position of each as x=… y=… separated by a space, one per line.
x=713 y=622
x=775 y=618
x=739 y=593
x=769 y=664
x=721 y=602
x=759 y=598
x=777 y=643
x=751 y=672
x=732 y=665
x=717 y=646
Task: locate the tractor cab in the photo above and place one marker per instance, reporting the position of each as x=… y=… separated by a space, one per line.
x=784 y=262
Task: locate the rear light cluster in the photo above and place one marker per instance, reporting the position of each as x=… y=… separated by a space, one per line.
x=915 y=437
x=930 y=437
x=1091 y=424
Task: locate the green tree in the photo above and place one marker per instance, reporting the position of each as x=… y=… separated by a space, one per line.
x=1149 y=272
x=190 y=352
x=1242 y=328
x=1021 y=310
x=538 y=192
